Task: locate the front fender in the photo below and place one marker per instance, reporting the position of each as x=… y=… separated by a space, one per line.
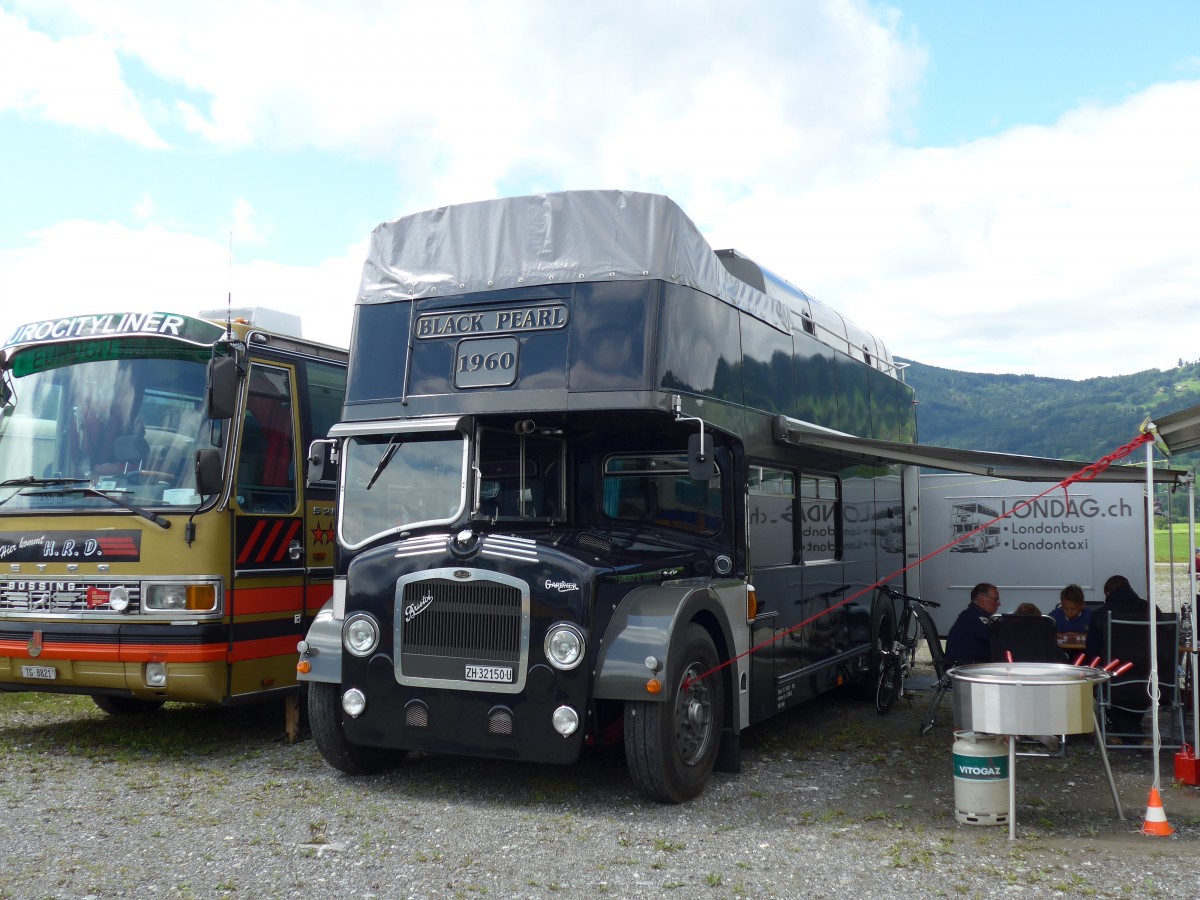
x=323 y=648
x=649 y=622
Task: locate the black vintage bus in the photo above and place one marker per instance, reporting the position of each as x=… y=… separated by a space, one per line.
x=572 y=508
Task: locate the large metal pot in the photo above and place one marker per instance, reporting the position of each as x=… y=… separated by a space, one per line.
x=1025 y=698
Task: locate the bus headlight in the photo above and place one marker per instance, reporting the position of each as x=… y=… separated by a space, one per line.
x=178 y=596
x=566 y=721
x=360 y=635
x=156 y=674
x=564 y=646
x=354 y=702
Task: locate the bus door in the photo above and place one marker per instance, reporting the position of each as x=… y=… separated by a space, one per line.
x=267 y=602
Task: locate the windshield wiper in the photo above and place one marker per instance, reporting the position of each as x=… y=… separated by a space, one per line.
x=31 y=480
x=95 y=492
x=392 y=447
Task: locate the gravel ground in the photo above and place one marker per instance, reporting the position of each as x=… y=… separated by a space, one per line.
x=833 y=800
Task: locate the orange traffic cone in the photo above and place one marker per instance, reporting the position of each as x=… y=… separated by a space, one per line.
x=1156 y=820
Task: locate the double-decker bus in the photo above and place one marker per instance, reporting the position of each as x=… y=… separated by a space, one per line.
x=573 y=508
x=158 y=540
x=973 y=525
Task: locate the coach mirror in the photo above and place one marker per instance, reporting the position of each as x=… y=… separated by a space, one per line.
x=222 y=387
x=701 y=465
x=320 y=452
x=208 y=471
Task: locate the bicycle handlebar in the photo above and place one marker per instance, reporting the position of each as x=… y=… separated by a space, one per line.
x=898 y=595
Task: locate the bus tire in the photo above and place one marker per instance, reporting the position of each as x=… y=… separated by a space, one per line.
x=126 y=706
x=325 y=721
x=670 y=747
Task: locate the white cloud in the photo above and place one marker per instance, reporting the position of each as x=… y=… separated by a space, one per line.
x=1067 y=250
x=480 y=92
x=76 y=80
x=81 y=267
x=242 y=229
x=1062 y=250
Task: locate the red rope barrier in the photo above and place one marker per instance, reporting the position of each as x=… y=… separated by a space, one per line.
x=1087 y=473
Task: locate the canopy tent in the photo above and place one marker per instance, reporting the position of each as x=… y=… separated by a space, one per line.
x=1175 y=433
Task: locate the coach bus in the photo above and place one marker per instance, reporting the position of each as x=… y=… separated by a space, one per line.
x=158 y=540
x=572 y=509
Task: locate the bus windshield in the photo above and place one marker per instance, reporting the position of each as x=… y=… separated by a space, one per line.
x=128 y=427
x=398 y=481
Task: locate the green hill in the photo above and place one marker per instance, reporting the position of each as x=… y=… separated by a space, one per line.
x=1028 y=414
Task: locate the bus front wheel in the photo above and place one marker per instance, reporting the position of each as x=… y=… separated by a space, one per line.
x=671 y=746
x=325 y=721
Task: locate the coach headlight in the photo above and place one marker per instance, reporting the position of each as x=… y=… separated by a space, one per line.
x=360 y=634
x=180 y=596
x=564 y=646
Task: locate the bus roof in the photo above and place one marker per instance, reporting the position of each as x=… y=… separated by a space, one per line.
x=577 y=236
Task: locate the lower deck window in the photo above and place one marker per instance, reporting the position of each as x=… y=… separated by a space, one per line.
x=656 y=489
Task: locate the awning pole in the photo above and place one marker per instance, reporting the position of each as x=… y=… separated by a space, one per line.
x=1153 y=686
x=1191 y=650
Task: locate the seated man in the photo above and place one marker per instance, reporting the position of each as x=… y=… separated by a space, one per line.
x=969 y=640
x=1122 y=602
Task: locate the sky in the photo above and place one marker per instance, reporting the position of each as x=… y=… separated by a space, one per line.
x=993 y=187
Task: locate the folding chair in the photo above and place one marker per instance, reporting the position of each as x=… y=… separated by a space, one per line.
x=1028 y=639
x=1017 y=638
x=1129 y=696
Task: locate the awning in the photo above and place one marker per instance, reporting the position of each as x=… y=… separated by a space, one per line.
x=977 y=462
x=1179 y=431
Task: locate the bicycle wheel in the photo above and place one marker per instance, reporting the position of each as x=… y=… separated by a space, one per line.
x=929 y=631
x=891 y=684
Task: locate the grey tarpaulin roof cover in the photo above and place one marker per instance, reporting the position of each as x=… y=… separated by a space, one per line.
x=550 y=239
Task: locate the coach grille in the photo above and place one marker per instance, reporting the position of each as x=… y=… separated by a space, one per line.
x=50 y=596
x=462 y=628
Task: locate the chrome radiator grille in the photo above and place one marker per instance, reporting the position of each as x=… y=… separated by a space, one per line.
x=477 y=620
x=467 y=629
x=63 y=596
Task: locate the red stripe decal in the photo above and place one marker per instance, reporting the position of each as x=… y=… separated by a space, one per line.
x=269 y=542
x=250 y=541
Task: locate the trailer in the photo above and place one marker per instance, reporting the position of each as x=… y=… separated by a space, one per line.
x=1028 y=545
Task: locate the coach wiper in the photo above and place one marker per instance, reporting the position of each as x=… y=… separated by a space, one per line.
x=392 y=447
x=96 y=492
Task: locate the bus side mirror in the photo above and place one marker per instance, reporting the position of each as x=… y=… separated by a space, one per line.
x=222 y=387
x=319 y=452
x=701 y=465
x=208 y=471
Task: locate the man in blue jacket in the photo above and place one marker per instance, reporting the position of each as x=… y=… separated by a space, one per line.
x=969 y=640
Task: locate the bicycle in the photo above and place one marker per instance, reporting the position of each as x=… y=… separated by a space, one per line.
x=897 y=660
